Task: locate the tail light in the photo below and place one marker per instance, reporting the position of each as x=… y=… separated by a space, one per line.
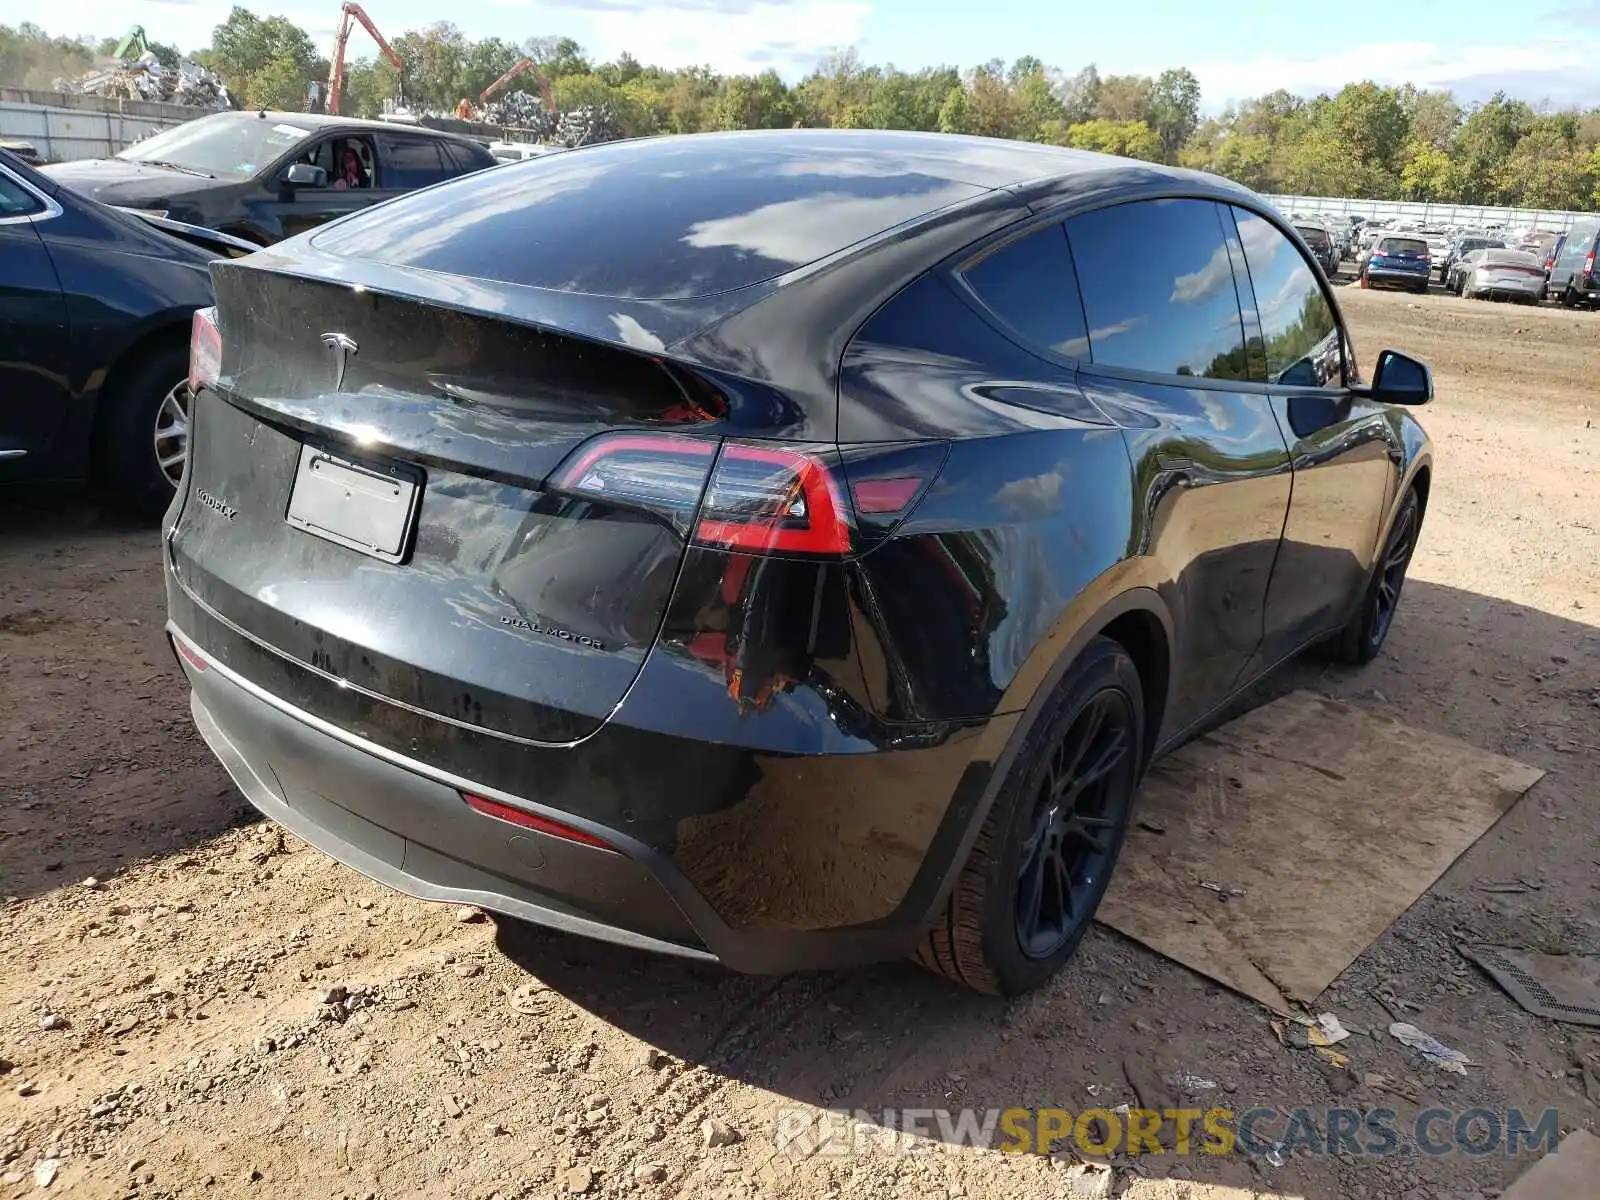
x=755 y=497
x=1588 y=264
x=205 y=349
x=770 y=499
x=531 y=820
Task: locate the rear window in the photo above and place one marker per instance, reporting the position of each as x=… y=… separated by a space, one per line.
x=1394 y=245
x=1313 y=235
x=669 y=219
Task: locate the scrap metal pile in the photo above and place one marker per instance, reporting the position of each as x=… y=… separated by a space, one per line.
x=144 y=78
x=581 y=126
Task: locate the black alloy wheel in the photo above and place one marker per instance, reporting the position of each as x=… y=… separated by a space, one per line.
x=1045 y=852
x=1080 y=805
x=1361 y=639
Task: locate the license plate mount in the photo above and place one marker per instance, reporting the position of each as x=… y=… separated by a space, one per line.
x=367 y=508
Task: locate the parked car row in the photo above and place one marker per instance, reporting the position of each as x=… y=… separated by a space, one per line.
x=103 y=263
x=1528 y=265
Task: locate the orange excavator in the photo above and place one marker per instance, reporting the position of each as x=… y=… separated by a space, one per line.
x=526 y=64
x=349 y=14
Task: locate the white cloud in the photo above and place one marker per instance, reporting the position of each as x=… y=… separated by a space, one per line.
x=786 y=35
x=1526 y=66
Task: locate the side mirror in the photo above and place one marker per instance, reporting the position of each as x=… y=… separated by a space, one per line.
x=305 y=175
x=1401 y=379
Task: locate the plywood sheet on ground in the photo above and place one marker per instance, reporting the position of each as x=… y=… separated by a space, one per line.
x=1329 y=820
x=1571 y=1173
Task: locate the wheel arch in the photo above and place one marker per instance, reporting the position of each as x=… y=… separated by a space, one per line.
x=172 y=331
x=1139 y=620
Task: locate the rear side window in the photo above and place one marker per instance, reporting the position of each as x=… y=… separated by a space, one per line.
x=1580 y=240
x=464 y=158
x=1031 y=286
x=413 y=163
x=1298 y=331
x=1158 y=289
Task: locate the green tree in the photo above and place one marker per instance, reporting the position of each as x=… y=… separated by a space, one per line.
x=1429 y=172
x=1174 y=110
x=1080 y=96
x=266 y=61
x=955 y=114
x=753 y=102
x=1123 y=98
x=1131 y=139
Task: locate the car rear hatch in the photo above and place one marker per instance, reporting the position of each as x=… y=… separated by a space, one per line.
x=1402 y=254
x=370 y=495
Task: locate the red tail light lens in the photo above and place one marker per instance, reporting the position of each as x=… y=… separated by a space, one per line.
x=1588 y=264
x=773 y=500
x=530 y=820
x=756 y=497
x=205 y=349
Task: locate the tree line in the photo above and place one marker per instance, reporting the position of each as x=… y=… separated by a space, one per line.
x=1366 y=140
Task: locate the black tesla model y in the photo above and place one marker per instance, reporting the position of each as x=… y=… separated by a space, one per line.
x=783 y=548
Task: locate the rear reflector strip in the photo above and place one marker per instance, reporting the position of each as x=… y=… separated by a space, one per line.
x=528 y=820
x=885 y=495
x=189 y=654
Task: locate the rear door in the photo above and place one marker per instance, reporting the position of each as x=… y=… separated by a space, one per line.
x=1580 y=244
x=406 y=162
x=1211 y=469
x=34 y=346
x=1346 y=454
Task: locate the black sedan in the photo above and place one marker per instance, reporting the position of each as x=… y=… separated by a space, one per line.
x=780 y=548
x=263 y=176
x=95 y=315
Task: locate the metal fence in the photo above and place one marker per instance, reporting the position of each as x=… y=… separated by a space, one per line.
x=1470 y=215
x=63 y=126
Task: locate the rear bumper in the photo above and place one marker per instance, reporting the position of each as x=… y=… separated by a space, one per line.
x=1390 y=275
x=1533 y=289
x=795 y=868
x=387 y=816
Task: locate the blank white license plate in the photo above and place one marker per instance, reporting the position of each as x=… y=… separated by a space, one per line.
x=354 y=505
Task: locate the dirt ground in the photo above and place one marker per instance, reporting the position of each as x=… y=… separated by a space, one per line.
x=221 y=1010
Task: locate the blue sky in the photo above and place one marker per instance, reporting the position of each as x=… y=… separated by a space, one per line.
x=1548 y=51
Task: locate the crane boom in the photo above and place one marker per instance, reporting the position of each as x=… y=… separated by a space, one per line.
x=350 y=13
x=526 y=64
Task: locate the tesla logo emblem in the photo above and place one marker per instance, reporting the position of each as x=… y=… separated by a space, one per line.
x=344 y=349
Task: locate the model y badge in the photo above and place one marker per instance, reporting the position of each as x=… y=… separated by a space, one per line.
x=344 y=349
x=220 y=506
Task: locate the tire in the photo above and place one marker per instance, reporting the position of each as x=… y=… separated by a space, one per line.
x=144 y=395
x=1568 y=300
x=1094 y=725
x=1359 y=642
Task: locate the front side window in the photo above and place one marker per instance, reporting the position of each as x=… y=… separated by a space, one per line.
x=1030 y=285
x=1158 y=289
x=16 y=200
x=413 y=163
x=1298 y=330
